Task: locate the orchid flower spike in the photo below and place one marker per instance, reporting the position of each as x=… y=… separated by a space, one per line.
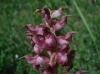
x=50 y=49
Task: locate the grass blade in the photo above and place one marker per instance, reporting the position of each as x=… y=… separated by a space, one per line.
x=86 y=24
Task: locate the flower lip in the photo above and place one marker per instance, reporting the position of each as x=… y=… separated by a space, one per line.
x=63 y=59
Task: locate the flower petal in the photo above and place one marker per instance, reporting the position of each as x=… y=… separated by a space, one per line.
x=35 y=39
x=64 y=48
x=45 y=12
x=46 y=15
x=62 y=40
x=62 y=58
x=29 y=59
x=68 y=36
x=39 y=60
x=29 y=27
x=36 y=49
x=61 y=23
x=56 y=13
x=50 y=41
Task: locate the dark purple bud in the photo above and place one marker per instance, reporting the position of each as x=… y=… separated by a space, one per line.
x=71 y=55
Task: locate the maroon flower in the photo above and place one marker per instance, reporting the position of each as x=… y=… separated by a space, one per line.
x=51 y=50
x=36 y=60
x=50 y=16
x=62 y=58
x=41 y=38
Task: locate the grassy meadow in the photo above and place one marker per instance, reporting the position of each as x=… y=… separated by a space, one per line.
x=85 y=20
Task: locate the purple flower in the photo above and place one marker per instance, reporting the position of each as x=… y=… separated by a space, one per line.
x=50 y=17
x=36 y=61
x=41 y=38
x=62 y=58
x=51 y=50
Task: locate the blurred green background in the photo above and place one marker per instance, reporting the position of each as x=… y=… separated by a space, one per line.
x=85 y=20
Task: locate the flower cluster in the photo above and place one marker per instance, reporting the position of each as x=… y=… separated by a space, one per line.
x=51 y=49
